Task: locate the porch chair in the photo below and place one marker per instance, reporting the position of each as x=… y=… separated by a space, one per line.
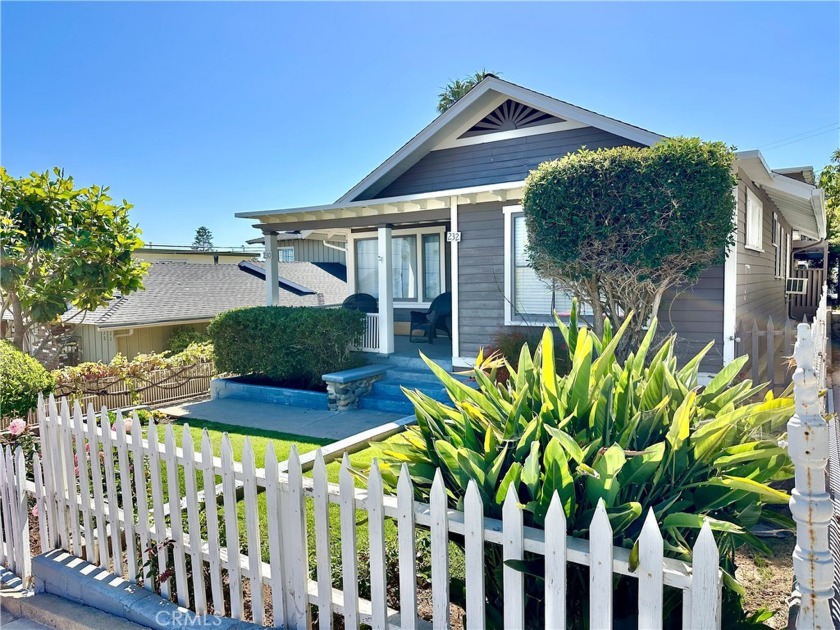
x=363 y=302
x=425 y=324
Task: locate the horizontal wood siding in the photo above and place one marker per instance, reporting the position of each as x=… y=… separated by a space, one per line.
x=493 y=162
x=481 y=275
x=695 y=314
x=759 y=295
x=314 y=250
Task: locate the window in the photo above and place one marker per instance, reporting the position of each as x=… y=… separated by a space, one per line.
x=367 y=267
x=755 y=222
x=286 y=254
x=431 y=266
x=530 y=299
x=779 y=244
x=417 y=260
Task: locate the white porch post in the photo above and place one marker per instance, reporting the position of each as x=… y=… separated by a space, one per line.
x=272 y=287
x=386 y=291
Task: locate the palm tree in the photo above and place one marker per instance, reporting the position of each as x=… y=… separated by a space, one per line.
x=455 y=90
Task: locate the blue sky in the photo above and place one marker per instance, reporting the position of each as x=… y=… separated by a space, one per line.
x=194 y=111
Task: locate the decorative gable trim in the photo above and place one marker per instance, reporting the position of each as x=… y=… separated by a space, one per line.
x=478 y=102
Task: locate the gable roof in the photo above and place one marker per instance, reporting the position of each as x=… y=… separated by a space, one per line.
x=184 y=292
x=459 y=119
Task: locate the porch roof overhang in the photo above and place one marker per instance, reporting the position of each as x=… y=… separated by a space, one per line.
x=434 y=206
x=801 y=204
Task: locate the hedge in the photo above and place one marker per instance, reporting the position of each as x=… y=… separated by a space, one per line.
x=22 y=378
x=286 y=345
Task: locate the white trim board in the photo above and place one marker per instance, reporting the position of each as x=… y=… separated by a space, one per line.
x=730 y=291
x=484 y=138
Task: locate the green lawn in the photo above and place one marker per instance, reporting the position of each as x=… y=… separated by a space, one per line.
x=360 y=461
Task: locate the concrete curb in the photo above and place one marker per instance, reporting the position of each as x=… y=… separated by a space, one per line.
x=61 y=574
x=53 y=611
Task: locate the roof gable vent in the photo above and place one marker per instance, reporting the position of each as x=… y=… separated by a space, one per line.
x=508 y=116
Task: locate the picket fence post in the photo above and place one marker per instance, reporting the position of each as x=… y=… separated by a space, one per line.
x=810 y=503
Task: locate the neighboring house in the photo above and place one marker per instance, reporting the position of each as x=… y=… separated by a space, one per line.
x=185 y=253
x=443 y=214
x=309 y=246
x=190 y=295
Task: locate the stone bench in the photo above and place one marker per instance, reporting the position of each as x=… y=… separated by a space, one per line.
x=345 y=388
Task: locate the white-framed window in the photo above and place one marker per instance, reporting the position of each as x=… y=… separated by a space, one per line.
x=286 y=254
x=417 y=254
x=754 y=222
x=779 y=247
x=529 y=299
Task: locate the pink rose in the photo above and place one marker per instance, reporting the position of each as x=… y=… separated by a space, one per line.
x=17 y=427
x=87 y=447
x=76 y=459
x=129 y=424
x=76 y=471
x=35 y=511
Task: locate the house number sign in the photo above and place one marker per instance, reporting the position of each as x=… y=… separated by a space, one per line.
x=453 y=237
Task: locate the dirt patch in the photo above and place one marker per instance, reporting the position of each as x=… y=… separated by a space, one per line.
x=768 y=580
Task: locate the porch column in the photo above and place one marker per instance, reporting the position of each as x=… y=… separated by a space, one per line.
x=386 y=291
x=272 y=286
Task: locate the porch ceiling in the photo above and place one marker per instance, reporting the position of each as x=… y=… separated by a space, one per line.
x=393 y=210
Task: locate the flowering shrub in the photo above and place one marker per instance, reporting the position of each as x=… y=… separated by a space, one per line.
x=19 y=435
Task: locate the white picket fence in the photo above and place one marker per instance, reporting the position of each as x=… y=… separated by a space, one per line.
x=109 y=517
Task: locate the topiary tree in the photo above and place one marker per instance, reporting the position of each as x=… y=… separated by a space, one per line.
x=619 y=227
x=22 y=378
x=61 y=247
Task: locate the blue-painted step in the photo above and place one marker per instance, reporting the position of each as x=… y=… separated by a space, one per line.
x=387 y=394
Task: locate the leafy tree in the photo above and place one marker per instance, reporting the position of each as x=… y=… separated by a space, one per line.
x=203 y=239
x=619 y=227
x=61 y=247
x=453 y=91
x=830 y=183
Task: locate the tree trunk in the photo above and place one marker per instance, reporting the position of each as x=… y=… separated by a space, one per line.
x=19 y=332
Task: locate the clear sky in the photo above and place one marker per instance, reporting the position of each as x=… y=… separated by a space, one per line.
x=194 y=111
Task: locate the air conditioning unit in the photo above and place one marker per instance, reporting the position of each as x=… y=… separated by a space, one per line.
x=796 y=286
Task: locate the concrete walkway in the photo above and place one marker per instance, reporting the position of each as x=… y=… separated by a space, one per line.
x=316 y=423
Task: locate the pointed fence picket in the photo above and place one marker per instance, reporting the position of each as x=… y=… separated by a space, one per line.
x=149 y=518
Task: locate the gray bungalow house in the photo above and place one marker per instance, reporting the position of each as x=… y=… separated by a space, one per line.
x=443 y=214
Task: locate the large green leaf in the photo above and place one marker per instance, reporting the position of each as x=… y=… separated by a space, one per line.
x=723 y=378
x=681 y=520
x=606 y=485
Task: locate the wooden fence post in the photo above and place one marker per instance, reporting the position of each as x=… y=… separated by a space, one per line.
x=810 y=504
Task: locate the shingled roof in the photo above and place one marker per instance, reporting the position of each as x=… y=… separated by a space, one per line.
x=179 y=292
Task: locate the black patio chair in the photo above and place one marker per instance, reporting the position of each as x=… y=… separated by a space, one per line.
x=363 y=302
x=425 y=324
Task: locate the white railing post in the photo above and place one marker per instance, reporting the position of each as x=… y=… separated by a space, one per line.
x=810 y=504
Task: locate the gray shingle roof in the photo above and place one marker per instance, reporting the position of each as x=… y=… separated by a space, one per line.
x=187 y=291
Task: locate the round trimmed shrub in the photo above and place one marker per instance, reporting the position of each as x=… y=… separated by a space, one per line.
x=22 y=378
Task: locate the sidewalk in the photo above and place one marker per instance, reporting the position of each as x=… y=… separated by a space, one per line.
x=316 y=423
